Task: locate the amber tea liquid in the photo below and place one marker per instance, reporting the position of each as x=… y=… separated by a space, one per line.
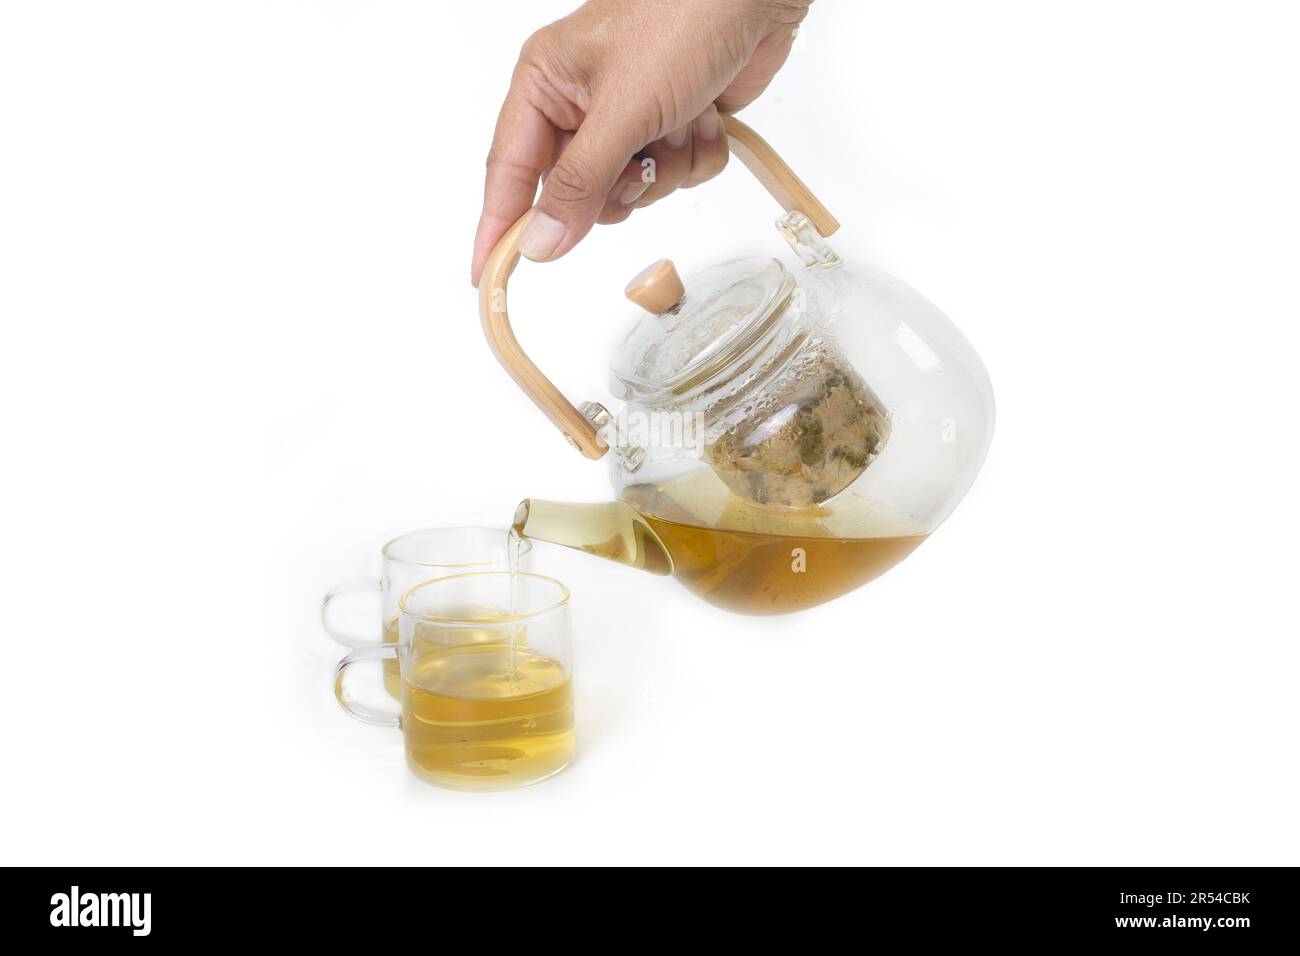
x=486 y=716
x=729 y=551
x=753 y=572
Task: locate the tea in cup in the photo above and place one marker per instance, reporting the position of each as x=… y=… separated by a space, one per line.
x=485 y=666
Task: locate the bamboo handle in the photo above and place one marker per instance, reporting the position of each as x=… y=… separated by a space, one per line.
x=777 y=178
x=761 y=160
x=501 y=337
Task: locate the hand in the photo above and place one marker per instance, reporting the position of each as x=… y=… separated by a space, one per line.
x=615 y=83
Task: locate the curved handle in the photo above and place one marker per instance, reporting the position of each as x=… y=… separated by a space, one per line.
x=776 y=177
x=496 y=326
x=362 y=712
x=343 y=637
x=759 y=158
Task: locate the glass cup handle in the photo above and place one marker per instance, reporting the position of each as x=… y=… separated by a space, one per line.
x=344 y=638
x=363 y=713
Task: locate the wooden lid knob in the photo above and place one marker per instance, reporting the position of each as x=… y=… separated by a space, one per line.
x=657 y=287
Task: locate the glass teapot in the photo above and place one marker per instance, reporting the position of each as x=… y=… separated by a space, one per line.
x=786 y=433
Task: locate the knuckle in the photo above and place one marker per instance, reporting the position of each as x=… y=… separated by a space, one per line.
x=534 y=48
x=652 y=115
x=780 y=11
x=571 y=183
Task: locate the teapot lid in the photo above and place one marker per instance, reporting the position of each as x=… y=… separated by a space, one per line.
x=721 y=313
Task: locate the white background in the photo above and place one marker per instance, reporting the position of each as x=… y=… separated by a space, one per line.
x=240 y=350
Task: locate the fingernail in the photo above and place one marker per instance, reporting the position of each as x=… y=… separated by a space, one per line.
x=677 y=138
x=632 y=192
x=540 y=236
x=707 y=125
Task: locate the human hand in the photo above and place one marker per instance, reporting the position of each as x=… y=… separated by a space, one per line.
x=613 y=84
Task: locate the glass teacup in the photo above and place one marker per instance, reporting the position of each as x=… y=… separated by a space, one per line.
x=407 y=560
x=485 y=663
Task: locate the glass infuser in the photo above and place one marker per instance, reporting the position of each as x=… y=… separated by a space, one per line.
x=787 y=431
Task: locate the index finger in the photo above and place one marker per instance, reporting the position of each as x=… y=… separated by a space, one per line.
x=521 y=150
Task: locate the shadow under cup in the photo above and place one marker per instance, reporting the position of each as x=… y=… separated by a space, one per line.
x=486 y=675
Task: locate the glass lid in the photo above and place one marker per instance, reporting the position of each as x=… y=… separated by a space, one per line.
x=725 y=310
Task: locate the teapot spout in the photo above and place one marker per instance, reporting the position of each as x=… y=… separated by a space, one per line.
x=609 y=530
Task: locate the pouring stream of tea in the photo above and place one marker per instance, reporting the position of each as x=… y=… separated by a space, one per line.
x=514 y=546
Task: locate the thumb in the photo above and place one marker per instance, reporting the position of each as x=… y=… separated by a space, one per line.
x=577 y=186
